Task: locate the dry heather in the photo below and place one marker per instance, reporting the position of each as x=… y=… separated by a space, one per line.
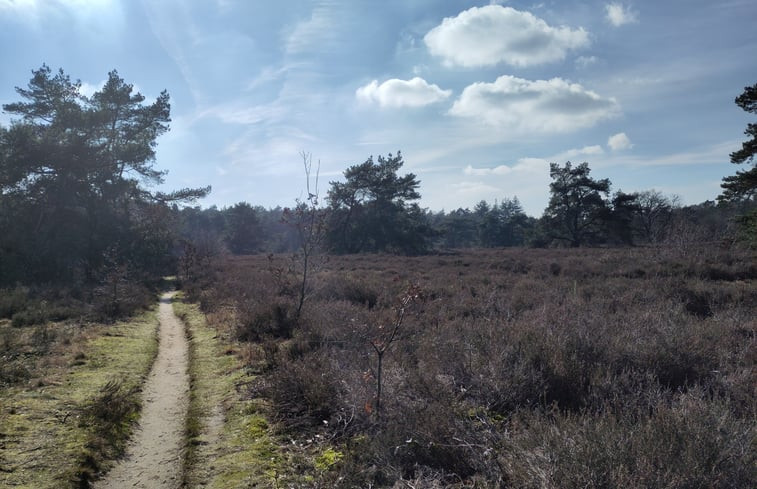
x=513 y=368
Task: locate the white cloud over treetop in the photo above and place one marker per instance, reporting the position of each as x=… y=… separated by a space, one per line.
x=402 y=93
x=540 y=105
x=593 y=150
x=619 y=142
x=485 y=36
x=618 y=14
x=523 y=166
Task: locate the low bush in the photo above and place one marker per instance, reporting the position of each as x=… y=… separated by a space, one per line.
x=520 y=368
x=13 y=301
x=305 y=392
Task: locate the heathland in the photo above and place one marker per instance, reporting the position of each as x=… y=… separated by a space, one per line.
x=502 y=368
x=359 y=340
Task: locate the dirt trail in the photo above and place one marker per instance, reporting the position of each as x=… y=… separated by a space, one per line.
x=155 y=454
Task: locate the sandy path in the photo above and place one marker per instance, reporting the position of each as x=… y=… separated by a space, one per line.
x=155 y=454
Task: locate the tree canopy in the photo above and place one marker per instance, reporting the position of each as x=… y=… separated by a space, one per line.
x=743 y=185
x=372 y=210
x=75 y=178
x=577 y=204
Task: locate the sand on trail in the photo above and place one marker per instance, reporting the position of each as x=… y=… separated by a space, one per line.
x=155 y=454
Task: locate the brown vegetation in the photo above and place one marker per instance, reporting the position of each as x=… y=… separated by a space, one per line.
x=516 y=368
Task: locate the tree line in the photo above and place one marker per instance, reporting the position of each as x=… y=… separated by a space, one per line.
x=375 y=210
x=77 y=202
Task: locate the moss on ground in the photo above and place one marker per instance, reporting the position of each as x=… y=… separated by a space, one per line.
x=231 y=444
x=46 y=434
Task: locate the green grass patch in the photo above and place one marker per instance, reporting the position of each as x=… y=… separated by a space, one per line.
x=62 y=427
x=230 y=443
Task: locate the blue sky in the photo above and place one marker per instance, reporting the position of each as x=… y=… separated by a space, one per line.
x=478 y=96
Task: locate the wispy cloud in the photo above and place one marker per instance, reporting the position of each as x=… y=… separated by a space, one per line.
x=175 y=29
x=264 y=151
x=402 y=93
x=319 y=32
x=89 y=18
x=239 y=113
x=473 y=188
x=583 y=62
x=485 y=36
x=536 y=106
x=707 y=155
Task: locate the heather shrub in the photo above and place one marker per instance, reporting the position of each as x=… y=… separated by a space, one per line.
x=258 y=319
x=518 y=368
x=691 y=441
x=305 y=393
x=335 y=287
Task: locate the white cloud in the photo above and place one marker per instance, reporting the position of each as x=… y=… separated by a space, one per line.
x=484 y=36
x=522 y=166
x=619 y=142
x=402 y=93
x=100 y=16
x=479 y=172
x=594 y=150
x=522 y=105
x=88 y=89
x=473 y=188
x=618 y=14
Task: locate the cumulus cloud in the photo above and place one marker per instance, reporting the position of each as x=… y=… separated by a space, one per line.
x=484 y=36
x=89 y=89
x=540 y=105
x=618 y=14
x=402 y=93
x=619 y=142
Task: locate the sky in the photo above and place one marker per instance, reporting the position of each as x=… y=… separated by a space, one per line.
x=480 y=97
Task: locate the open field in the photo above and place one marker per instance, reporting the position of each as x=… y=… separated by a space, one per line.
x=511 y=368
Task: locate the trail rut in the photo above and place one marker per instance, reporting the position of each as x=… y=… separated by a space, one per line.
x=155 y=454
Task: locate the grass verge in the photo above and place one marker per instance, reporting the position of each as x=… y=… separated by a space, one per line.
x=230 y=443
x=62 y=427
